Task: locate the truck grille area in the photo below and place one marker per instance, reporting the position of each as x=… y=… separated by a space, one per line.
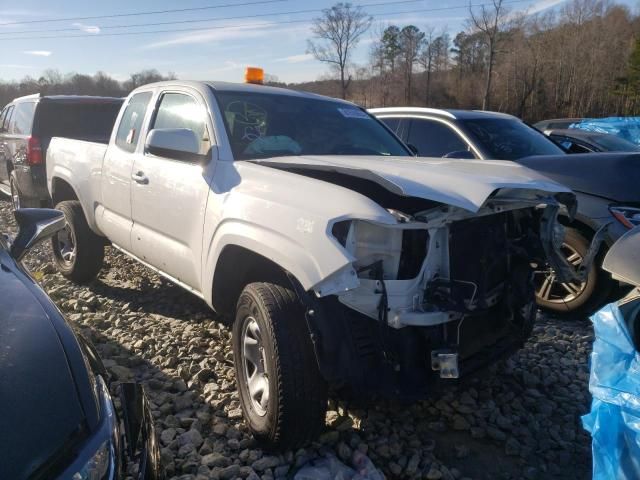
x=479 y=252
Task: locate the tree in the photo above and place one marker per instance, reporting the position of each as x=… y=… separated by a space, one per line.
x=426 y=60
x=489 y=21
x=337 y=32
x=391 y=46
x=628 y=86
x=411 y=39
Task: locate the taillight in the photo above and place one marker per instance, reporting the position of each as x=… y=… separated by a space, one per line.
x=34 y=151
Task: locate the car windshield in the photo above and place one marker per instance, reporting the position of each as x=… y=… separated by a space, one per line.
x=262 y=125
x=611 y=143
x=510 y=139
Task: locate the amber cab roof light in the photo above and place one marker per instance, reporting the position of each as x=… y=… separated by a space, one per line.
x=254 y=75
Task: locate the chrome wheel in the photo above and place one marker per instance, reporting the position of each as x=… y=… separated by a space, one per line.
x=66 y=245
x=550 y=290
x=15 y=198
x=254 y=361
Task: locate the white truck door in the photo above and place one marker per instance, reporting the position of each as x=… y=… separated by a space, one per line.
x=113 y=215
x=169 y=196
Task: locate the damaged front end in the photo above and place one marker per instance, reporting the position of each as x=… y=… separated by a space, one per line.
x=439 y=293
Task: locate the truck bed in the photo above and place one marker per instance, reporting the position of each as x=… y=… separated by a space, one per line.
x=78 y=158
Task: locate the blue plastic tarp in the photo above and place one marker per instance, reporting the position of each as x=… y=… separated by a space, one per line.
x=614 y=383
x=623 y=127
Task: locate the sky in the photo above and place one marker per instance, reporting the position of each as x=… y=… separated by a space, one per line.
x=208 y=40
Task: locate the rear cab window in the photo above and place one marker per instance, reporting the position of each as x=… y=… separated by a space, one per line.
x=21 y=121
x=131 y=122
x=83 y=120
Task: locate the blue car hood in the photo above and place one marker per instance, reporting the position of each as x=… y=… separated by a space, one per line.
x=40 y=412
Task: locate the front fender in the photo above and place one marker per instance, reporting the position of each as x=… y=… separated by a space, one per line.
x=308 y=265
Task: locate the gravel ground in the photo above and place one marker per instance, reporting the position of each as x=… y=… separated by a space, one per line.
x=519 y=421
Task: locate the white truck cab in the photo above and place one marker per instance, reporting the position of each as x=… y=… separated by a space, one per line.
x=343 y=260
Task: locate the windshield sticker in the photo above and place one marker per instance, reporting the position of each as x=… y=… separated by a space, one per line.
x=353 y=113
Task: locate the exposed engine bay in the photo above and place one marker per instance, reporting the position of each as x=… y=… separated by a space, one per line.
x=442 y=290
x=435 y=298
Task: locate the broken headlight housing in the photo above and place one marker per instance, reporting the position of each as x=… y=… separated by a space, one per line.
x=383 y=252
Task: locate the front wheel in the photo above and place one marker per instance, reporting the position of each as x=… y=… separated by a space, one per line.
x=575 y=297
x=77 y=251
x=283 y=395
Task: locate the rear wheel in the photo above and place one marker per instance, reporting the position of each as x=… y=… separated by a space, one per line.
x=283 y=395
x=575 y=297
x=17 y=198
x=77 y=251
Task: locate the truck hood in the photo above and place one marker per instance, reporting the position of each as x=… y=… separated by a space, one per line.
x=465 y=184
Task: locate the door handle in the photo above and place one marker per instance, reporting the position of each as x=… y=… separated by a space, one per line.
x=140 y=177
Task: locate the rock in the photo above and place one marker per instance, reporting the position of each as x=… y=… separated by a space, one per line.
x=512 y=447
x=230 y=472
x=460 y=423
x=121 y=373
x=496 y=434
x=167 y=435
x=235 y=413
x=190 y=437
x=412 y=465
x=265 y=463
x=462 y=450
x=434 y=473
x=215 y=460
x=396 y=469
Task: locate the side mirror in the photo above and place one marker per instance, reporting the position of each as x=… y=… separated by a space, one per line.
x=34 y=225
x=175 y=143
x=461 y=154
x=413 y=149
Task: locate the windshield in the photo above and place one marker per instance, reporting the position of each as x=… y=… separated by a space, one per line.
x=510 y=139
x=611 y=143
x=262 y=125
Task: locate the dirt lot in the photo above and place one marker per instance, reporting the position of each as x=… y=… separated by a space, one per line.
x=520 y=421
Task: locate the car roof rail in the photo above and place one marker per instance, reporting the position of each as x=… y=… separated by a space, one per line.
x=26 y=97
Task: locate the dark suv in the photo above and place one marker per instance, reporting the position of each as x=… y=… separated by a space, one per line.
x=28 y=124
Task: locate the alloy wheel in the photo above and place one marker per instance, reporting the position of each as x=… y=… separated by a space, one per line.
x=255 y=366
x=66 y=245
x=15 y=197
x=549 y=289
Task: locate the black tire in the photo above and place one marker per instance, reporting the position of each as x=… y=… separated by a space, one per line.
x=593 y=293
x=86 y=261
x=297 y=395
x=18 y=200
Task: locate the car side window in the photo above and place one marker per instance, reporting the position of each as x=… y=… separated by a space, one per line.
x=5 y=121
x=22 y=119
x=131 y=122
x=178 y=110
x=392 y=123
x=434 y=139
x=570 y=146
x=3 y=114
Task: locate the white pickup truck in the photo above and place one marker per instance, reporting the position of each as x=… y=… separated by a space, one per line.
x=342 y=260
